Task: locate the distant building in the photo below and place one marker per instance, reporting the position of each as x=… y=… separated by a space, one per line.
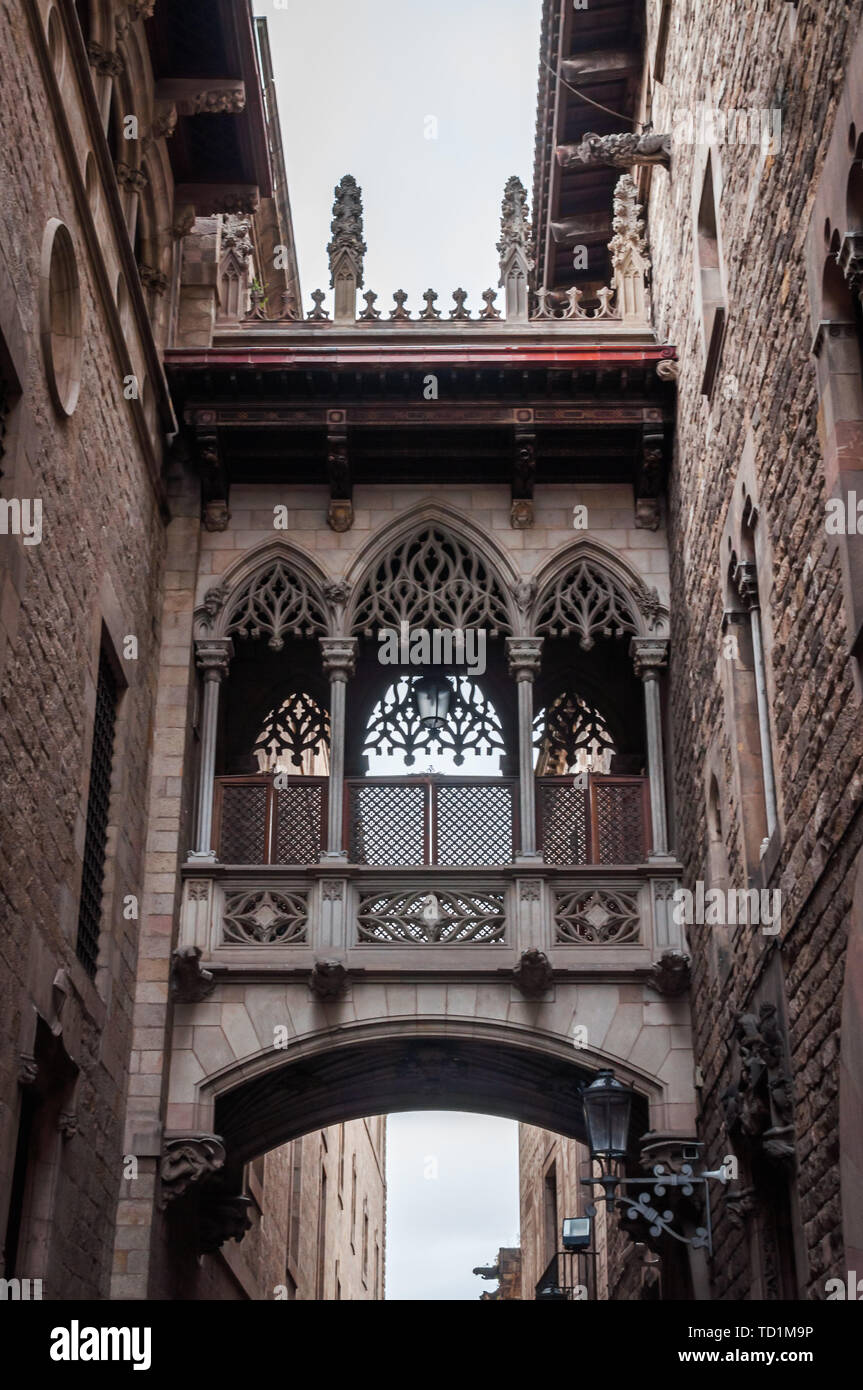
x=507 y=1271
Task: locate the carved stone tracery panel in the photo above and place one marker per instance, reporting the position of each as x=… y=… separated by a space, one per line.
x=265 y=918
x=587 y=602
x=432 y=579
x=279 y=603
x=597 y=916
x=444 y=917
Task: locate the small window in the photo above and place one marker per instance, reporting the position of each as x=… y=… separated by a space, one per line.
x=98 y=809
x=713 y=307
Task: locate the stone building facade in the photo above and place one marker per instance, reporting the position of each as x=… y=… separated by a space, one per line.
x=750 y=178
x=226 y=936
x=317 y=1214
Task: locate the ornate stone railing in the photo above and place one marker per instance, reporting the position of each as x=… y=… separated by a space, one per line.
x=624 y=302
x=289 y=915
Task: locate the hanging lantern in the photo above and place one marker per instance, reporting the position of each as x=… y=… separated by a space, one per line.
x=607 y=1103
x=433 y=695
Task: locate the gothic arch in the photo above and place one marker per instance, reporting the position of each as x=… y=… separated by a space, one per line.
x=588 y=591
x=274 y=592
x=492 y=1067
x=432 y=567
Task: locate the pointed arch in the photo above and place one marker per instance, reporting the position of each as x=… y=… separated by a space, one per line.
x=587 y=591
x=275 y=592
x=435 y=568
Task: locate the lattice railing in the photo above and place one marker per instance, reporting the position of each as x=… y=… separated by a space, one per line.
x=439 y=821
x=257 y=822
x=447 y=821
x=603 y=821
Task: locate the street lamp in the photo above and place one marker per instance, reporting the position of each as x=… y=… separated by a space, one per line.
x=433 y=695
x=607 y=1105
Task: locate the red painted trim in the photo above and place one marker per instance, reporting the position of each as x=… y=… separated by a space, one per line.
x=281 y=358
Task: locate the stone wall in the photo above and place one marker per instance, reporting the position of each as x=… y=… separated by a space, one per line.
x=99 y=564
x=279 y=1258
x=760 y=426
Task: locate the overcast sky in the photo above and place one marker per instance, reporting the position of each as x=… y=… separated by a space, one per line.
x=361 y=86
x=357 y=82
x=452 y=1202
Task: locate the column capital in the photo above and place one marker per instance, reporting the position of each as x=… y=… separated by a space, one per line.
x=649 y=656
x=524 y=655
x=213 y=657
x=339 y=657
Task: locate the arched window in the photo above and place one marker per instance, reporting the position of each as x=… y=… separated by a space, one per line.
x=470 y=739
x=294 y=737
x=570 y=735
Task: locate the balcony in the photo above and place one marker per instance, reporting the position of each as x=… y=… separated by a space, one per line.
x=432 y=821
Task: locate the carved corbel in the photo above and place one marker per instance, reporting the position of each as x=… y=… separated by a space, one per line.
x=651 y=464
x=67 y=1123
x=670 y=975
x=194 y=96
x=106 y=62
x=190 y=982
x=188 y=1160
x=523 y=474
x=214 y=478
x=533 y=975
x=328 y=980
x=620 y=151
x=340 y=515
x=28 y=1069
x=207 y=614
x=221 y=1218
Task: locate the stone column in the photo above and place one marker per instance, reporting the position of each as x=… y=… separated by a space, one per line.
x=213 y=656
x=339 y=656
x=524 y=655
x=746 y=577
x=649 y=656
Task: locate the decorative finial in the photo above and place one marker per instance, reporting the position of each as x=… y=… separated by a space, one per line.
x=489 y=312
x=628 y=251
x=400 y=312
x=459 y=312
x=430 y=312
x=515 y=248
x=319 y=312
x=347 y=248
x=370 y=312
